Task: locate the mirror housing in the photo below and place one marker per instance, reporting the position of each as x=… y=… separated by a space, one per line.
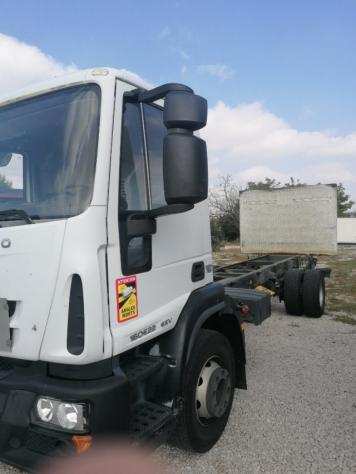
x=185 y=162
x=185 y=110
x=185 y=169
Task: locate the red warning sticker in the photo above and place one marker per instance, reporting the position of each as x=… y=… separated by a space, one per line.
x=126 y=297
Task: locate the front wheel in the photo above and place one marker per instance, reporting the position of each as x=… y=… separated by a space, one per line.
x=207 y=392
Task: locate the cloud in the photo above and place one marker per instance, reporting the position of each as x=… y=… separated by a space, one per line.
x=174 y=41
x=221 y=71
x=251 y=143
x=250 y=132
x=22 y=64
x=183 y=54
x=179 y=51
x=333 y=172
x=259 y=173
x=164 y=33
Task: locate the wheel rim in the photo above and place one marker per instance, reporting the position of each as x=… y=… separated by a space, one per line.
x=213 y=391
x=321 y=296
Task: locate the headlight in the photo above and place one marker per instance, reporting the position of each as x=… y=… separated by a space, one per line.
x=45 y=409
x=57 y=414
x=69 y=415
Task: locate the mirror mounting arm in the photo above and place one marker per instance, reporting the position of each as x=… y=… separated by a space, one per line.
x=140 y=95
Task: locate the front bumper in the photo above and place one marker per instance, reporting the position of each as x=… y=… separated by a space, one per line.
x=26 y=445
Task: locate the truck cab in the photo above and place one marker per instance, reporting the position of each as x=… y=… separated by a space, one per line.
x=108 y=309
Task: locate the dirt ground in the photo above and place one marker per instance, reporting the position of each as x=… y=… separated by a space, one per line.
x=341 y=287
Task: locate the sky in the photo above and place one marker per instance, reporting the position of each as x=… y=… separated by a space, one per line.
x=279 y=76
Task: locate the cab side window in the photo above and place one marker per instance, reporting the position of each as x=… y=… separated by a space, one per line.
x=133 y=192
x=141 y=179
x=135 y=252
x=155 y=133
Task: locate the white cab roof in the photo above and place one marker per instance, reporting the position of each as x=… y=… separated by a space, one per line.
x=98 y=75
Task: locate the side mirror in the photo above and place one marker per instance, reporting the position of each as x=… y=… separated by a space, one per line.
x=185 y=163
x=185 y=169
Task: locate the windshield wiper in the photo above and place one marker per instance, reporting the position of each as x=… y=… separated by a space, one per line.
x=15 y=214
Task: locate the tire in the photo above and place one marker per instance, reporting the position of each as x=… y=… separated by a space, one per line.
x=313 y=293
x=293 y=301
x=195 y=432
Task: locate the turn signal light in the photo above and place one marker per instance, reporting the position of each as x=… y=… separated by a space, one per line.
x=82 y=443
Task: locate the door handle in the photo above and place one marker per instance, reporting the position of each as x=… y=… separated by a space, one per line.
x=198 y=271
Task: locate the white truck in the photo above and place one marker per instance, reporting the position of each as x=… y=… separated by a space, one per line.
x=112 y=319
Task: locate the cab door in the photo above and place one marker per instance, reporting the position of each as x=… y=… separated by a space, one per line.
x=153 y=270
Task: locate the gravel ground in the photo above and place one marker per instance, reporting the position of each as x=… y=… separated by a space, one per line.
x=297 y=415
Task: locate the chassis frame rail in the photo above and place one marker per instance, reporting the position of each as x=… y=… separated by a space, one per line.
x=266 y=270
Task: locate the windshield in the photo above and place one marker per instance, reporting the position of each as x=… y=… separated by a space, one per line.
x=48 y=147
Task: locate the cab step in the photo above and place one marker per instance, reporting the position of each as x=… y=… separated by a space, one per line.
x=151 y=422
x=142 y=367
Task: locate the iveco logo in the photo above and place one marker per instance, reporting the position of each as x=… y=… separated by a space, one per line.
x=5 y=243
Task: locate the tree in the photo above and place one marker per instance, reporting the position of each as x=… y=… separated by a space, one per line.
x=293 y=183
x=344 y=203
x=217 y=236
x=272 y=183
x=5 y=183
x=267 y=183
x=224 y=207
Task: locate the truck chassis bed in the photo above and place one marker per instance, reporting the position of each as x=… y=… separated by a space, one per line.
x=264 y=273
x=260 y=270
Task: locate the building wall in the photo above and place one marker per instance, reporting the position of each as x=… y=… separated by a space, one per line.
x=289 y=220
x=346 y=230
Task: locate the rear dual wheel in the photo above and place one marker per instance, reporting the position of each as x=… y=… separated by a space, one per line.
x=293 y=281
x=304 y=292
x=313 y=293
